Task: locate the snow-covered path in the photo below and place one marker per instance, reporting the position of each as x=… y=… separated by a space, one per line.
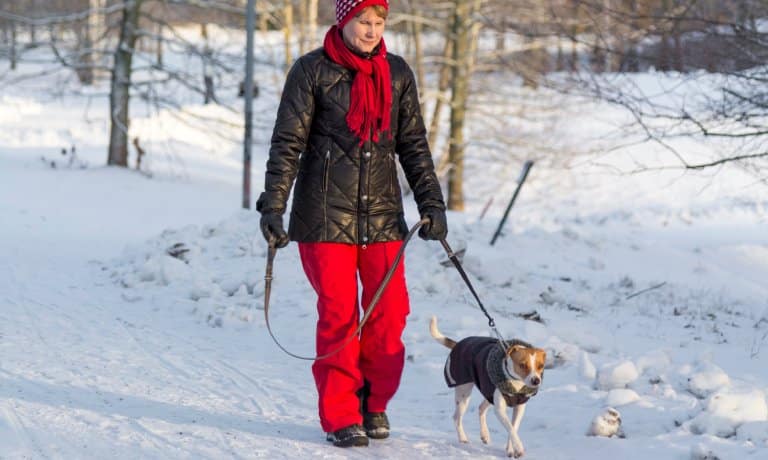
x=88 y=373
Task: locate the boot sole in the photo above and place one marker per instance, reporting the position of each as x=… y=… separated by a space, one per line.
x=377 y=434
x=357 y=441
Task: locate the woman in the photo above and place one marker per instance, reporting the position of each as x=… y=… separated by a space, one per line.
x=347 y=110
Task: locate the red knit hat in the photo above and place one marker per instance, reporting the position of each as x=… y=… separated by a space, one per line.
x=348 y=9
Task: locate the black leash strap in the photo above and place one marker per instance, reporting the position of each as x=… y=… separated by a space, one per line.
x=268 y=289
x=457 y=264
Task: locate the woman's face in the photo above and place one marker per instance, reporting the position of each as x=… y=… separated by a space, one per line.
x=363 y=33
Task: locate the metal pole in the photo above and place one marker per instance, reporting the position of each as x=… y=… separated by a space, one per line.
x=523 y=175
x=250 y=23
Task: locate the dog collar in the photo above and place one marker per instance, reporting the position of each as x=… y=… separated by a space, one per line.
x=499 y=375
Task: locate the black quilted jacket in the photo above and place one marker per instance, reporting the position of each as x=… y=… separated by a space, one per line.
x=345 y=192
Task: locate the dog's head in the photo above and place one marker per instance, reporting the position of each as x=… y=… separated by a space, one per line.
x=526 y=364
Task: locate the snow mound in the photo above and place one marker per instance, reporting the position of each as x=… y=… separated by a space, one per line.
x=618 y=375
x=727 y=410
x=216 y=269
x=708 y=380
x=621 y=397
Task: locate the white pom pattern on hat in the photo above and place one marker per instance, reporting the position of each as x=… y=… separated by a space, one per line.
x=343 y=7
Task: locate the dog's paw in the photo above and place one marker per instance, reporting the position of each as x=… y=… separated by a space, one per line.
x=485 y=435
x=515 y=449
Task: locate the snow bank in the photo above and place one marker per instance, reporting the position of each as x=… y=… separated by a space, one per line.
x=727 y=410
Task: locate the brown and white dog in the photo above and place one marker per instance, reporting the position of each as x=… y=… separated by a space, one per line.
x=505 y=377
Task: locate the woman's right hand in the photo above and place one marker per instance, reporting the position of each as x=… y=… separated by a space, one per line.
x=437 y=226
x=272 y=229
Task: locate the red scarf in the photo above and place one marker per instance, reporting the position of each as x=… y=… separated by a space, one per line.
x=370 y=101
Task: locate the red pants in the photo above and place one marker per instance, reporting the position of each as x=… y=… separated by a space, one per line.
x=377 y=356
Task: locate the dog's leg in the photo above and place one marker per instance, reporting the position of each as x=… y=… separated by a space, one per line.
x=514 y=445
x=463 y=392
x=517 y=417
x=485 y=436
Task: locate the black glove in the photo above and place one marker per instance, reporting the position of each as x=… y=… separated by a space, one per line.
x=437 y=227
x=272 y=228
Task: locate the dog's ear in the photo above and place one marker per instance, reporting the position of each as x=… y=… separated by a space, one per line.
x=514 y=349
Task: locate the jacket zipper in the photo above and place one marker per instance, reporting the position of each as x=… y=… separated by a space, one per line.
x=326 y=172
x=393 y=174
x=326 y=167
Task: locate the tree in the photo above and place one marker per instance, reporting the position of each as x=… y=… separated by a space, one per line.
x=730 y=101
x=119 y=93
x=460 y=35
x=100 y=39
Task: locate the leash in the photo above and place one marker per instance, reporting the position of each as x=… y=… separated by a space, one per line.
x=457 y=264
x=272 y=251
x=268 y=289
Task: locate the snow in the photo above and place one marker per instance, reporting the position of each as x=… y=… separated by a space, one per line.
x=616 y=375
x=131 y=321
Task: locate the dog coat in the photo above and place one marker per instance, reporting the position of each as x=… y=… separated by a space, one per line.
x=480 y=360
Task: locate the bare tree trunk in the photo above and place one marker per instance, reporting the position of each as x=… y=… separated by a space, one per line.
x=12 y=51
x=263 y=14
x=609 y=38
x=418 y=53
x=631 y=53
x=574 y=55
x=210 y=93
x=303 y=27
x=474 y=40
x=288 y=32
x=312 y=21
x=678 y=55
x=501 y=40
x=92 y=28
x=159 y=45
x=119 y=95
x=460 y=91
x=442 y=87
x=663 y=56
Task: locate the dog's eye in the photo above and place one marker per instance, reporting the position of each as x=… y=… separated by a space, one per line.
x=524 y=366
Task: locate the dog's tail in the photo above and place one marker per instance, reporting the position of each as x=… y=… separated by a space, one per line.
x=450 y=343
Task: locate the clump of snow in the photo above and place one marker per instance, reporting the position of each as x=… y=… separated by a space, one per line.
x=616 y=375
x=727 y=410
x=702 y=452
x=621 y=397
x=708 y=380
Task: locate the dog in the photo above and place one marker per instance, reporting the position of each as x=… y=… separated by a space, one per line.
x=505 y=377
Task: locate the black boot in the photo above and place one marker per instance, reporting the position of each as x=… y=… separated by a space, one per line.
x=350 y=436
x=376 y=425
